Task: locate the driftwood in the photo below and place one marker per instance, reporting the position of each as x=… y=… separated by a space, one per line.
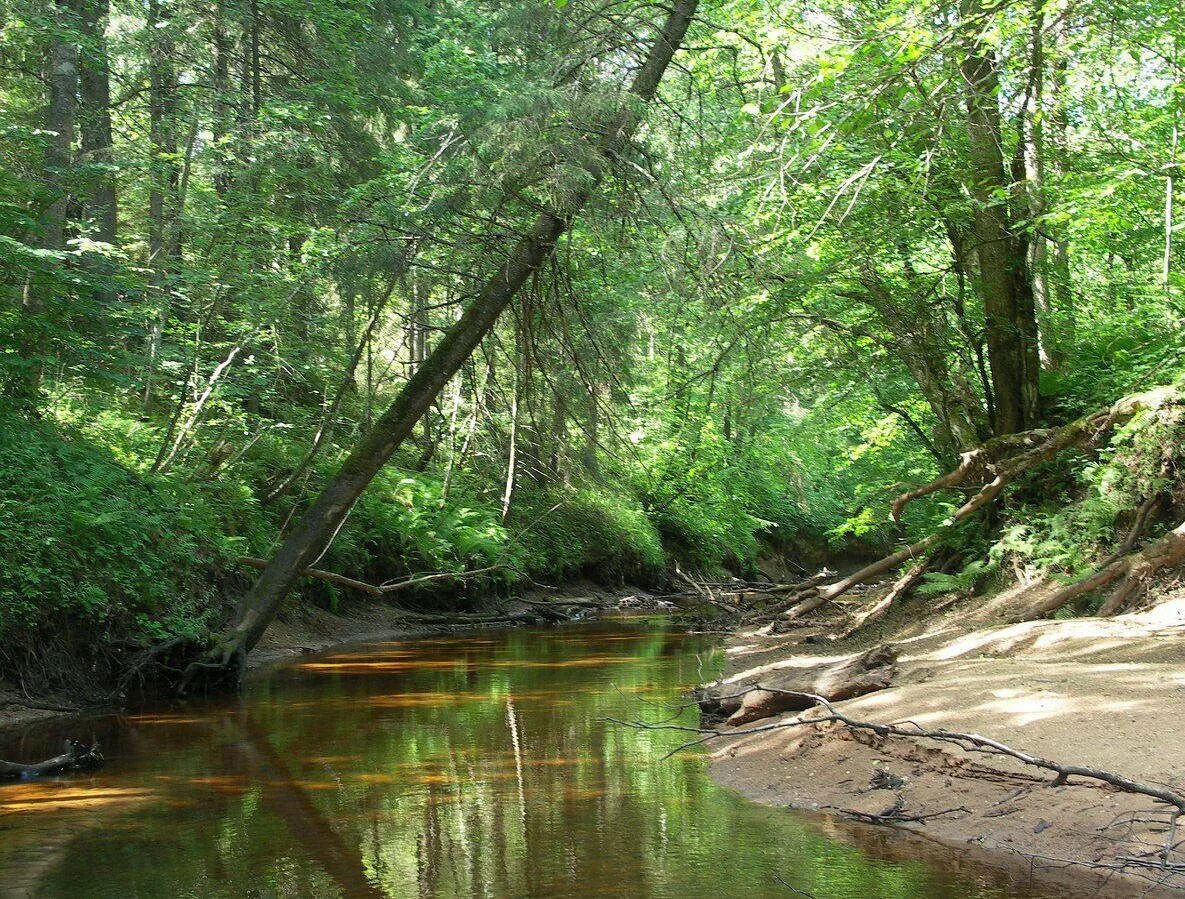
x=786 y=691
x=967 y=742
x=76 y=757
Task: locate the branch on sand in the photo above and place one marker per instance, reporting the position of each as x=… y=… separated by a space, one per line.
x=967 y=742
x=997 y=464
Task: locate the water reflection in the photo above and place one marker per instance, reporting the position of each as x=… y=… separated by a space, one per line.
x=449 y=767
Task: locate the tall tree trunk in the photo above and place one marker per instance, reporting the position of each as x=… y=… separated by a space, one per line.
x=1058 y=135
x=1170 y=186
x=1004 y=282
x=512 y=454
x=315 y=530
x=221 y=125
x=96 y=139
x=1032 y=137
x=61 y=79
x=559 y=431
x=164 y=177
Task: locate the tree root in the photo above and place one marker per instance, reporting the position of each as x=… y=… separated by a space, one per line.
x=1132 y=571
x=999 y=462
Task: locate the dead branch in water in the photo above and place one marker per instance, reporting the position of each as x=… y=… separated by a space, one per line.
x=895 y=814
x=75 y=757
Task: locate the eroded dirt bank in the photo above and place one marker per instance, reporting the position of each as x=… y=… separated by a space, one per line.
x=305 y=628
x=1104 y=693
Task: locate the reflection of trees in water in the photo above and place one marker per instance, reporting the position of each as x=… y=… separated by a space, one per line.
x=485 y=770
x=290 y=802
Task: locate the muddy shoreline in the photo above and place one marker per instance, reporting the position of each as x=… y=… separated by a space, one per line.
x=1101 y=692
x=305 y=628
x=1106 y=693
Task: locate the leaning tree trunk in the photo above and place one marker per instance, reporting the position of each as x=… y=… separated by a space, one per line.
x=318 y=525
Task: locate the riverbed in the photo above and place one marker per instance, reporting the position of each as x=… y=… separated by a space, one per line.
x=473 y=765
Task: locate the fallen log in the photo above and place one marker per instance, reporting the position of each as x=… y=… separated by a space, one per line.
x=900 y=588
x=349 y=583
x=785 y=691
x=76 y=757
x=997 y=464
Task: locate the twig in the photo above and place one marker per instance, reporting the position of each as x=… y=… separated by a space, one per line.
x=894 y=815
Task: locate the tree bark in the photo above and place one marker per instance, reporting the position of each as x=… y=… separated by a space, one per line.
x=316 y=528
x=96 y=136
x=1004 y=282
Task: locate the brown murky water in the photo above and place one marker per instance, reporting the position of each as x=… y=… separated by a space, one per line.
x=468 y=766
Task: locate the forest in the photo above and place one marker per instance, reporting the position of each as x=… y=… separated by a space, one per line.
x=331 y=304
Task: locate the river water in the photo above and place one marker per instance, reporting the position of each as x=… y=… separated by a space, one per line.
x=478 y=765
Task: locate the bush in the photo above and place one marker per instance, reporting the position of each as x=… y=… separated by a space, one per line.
x=566 y=533
x=92 y=549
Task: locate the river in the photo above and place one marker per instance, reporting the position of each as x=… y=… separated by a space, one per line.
x=475 y=765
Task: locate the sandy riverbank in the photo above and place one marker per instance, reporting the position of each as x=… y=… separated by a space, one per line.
x=1105 y=693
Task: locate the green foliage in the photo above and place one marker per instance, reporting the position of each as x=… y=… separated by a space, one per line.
x=564 y=534
x=769 y=321
x=92 y=550
x=963 y=581
x=404 y=524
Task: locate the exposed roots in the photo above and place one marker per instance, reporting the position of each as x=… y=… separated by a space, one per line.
x=1130 y=573
x=997 y=464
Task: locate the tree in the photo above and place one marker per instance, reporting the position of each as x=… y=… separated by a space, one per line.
x=317 y=526
x=1000 y=245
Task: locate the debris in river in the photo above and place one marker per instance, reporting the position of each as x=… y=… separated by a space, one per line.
x=76 y=757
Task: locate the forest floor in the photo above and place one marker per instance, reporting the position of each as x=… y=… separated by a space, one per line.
x=1106 y=693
